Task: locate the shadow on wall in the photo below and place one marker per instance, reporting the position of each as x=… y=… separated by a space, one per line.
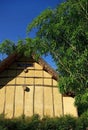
x=16 y=69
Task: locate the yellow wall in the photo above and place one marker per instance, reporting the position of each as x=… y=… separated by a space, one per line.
x=69 y=106
x=42 y=97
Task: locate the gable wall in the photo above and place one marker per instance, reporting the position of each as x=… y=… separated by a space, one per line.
x=42 y=97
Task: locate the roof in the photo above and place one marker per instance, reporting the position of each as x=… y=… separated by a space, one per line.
x=13 y=57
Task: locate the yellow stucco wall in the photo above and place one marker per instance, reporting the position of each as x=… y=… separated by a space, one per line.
x=42 y=97
x=69 y=106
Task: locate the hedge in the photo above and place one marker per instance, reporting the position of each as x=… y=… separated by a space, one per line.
x=66 y=122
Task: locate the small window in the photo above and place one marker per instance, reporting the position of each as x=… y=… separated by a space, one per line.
x=25 y=64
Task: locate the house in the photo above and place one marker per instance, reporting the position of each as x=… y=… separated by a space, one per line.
x=30 y=87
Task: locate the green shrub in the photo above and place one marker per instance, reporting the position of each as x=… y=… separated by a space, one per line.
x=2 y=128
x=33 y=123
x=81 y=101
x=2 y=121
x=48 y=123
x=12 y=124
x=66 y=122
x=82 y=122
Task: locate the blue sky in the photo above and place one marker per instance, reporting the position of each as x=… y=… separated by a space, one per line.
x=15 y=15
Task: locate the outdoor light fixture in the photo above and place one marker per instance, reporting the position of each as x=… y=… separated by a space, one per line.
x=25 y=88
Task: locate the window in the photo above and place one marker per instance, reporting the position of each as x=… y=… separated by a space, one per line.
x=25 y=64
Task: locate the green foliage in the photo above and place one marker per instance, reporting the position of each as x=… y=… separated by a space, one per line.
x=7 y=47
x=66 y=122
x=31 y=123
x=63 y=32
x=37 y=22
x=35 y=123
x=82 y=122
x=2 y=128
x=48 y=123
x=82 y=102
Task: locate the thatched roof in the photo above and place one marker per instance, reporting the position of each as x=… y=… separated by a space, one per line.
x=12 y=58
